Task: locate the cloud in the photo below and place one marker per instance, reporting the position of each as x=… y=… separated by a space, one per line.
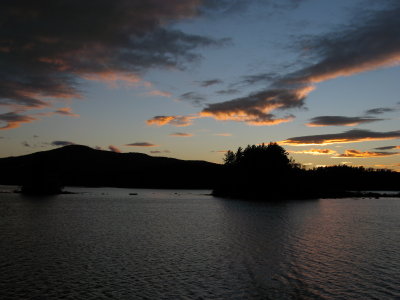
x=387 y=148
x=142 y=144
x=258 y=78
x=66 y=111
x=339 y=121
x=372 y=44
x=227 y=8
x=157 y=151
x=350 y=136
x=179 y=121
x=316 y=152
x=181 y=134
x=14 y=120
x=223 y=134
x=379 y=110
x=61 y=143
x=361 y=154
x=46 y=50
x=159 y=93
x=227 y=92
x=193 y=97
x=207 y=83
x=114 y=149
x=388 y=166
x=255 y=109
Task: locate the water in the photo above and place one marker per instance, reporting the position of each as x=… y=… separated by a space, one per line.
x=169 y=244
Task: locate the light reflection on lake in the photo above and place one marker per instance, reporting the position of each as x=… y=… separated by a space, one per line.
x=172 y=244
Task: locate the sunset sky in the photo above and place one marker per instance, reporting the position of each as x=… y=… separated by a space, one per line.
x=191 y=79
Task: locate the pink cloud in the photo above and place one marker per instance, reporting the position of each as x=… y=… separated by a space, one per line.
x=114 y=149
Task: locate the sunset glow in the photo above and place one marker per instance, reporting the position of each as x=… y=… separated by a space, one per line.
x=194 y=77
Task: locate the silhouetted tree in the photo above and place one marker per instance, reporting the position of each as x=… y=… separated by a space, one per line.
x=271 y=156
x=257 y=169
x=229 y=158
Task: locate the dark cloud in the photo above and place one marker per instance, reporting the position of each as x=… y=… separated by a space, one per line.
x=14 y=120
x=46 y=48
x=141 y=144
x=227 y=92
x=387 y=148
x=350 y=136
x=181 y=134
x=26 y=144
x=362 y=154
x=207 y=83
x=258 y=78
x=114 y=149
x=379 y=110
x=373 y=43
x=227 y=8
x=193 y=97
x=157 y=151
x=61 y=143
x=340 y=121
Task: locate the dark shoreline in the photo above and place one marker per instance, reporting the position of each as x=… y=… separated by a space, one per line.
x=273 y=197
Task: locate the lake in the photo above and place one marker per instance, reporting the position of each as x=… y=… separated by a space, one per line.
x=103 y=243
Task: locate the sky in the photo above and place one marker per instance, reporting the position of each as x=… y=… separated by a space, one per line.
x=192 y=79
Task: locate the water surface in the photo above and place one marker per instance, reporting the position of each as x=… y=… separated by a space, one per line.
x=174 y=244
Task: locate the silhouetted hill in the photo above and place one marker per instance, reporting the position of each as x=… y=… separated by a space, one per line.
x=82 y=165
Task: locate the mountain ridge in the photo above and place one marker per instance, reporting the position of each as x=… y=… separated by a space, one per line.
x=82 y=165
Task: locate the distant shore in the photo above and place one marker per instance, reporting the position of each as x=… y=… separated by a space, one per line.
x=305 y=196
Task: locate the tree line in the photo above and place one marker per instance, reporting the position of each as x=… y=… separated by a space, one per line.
x=267 y=171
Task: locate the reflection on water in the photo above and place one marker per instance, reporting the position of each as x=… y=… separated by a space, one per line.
x=167 y=244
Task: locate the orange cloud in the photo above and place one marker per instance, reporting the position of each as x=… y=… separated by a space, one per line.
x=141 y=144
x=395 y=167
x=159 y=93
x=367 y=46
x=14 y=120
x=66 y=111
x=114 y=149
x=179 y=121
x=256 y=108
x=41 y=61
x=362 y=154
x=112 y=78
x=223 y=134
x=316 y=152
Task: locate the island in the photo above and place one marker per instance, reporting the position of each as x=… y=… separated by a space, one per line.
x=267 y=173
x=259 y=172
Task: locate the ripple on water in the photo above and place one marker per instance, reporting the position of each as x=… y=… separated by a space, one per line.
x=105 y=244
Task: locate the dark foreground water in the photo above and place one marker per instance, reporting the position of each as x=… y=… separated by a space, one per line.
x=107 y=244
